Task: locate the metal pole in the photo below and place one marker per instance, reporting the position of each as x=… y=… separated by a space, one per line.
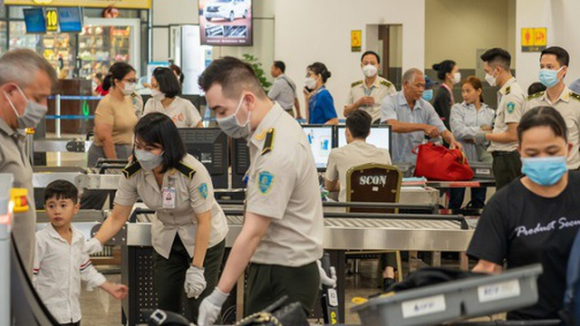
x=57 y=111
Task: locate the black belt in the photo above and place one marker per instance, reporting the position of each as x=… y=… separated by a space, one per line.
x=501 y=153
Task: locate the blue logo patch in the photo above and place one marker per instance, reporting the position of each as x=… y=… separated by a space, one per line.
x=203 y=190
x=511 y=107
x=265 y=181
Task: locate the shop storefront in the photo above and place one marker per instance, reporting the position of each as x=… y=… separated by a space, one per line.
x=108 y=34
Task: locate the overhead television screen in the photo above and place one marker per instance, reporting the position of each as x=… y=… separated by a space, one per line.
x=226 y=22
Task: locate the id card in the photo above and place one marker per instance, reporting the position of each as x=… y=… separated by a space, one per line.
x=169 y=195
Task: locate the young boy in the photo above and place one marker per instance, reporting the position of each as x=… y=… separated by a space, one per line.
x=60 y=263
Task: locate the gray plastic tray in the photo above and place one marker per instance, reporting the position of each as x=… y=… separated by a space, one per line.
x=472 y=297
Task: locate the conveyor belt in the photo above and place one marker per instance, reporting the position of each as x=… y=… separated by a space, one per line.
x=356 y=234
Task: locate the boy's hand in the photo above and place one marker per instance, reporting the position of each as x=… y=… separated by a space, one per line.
x=117 y=291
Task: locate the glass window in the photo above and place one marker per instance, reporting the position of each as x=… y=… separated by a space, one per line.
x=3 y=43
x=19 y=39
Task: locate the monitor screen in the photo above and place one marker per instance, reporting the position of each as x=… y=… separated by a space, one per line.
x=240 y=162
x=226 y=22
x=70 y=19
x=380 y=136
x=34 y=20
x=210 y=147
x=320 y=139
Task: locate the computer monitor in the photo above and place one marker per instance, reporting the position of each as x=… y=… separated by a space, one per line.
x=240 y=162
x=210 y=147
x=320 y=138
x=380 y=136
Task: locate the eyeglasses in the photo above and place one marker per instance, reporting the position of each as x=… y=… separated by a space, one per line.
x=130 y=80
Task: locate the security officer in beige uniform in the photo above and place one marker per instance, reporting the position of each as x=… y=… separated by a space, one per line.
x=368 y=94
x=26 y=81
x=504 y=139
x=283 y=229
x=554 y=63
x=189 y=232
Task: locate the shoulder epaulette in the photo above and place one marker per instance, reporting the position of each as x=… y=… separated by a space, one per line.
x=508 y=90
x=355 y=84
x=575 y=96
x=538 y=94
x=269 y=142
x=131 y=169
x=186 y=170
x=386 y=83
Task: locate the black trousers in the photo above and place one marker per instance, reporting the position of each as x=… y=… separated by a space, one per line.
x=507 y=167
x=268 y=283
x=169 y=277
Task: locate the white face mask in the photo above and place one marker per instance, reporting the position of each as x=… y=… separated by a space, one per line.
x=370 y=70
x=156 y=94
x=310 y=83
x=490 y=79
x=456 y=78
x=128 y=89
x=232 y=127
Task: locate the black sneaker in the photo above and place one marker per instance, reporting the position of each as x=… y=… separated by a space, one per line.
x=387 y=282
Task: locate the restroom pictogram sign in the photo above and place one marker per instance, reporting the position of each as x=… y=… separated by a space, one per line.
x=534 y=39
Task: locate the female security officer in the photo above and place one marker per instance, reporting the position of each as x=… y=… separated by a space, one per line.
x=189 y=233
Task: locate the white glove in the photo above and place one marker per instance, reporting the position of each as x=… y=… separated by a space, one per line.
x=194 y=282
x=329 y=281
x=93 y=246
x=210 y=307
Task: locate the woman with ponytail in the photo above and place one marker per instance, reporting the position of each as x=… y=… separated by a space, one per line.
x=115 y=116
x=468 y=118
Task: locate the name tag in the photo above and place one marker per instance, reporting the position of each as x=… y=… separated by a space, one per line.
x=498 y=291
x=169 y=197
x=425 y=306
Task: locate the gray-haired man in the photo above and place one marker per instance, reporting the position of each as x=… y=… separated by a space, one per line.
x=26 y=81
x=411 y=118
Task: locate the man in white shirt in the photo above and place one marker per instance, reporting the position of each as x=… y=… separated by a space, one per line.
x=284 y=90
x=358 y=152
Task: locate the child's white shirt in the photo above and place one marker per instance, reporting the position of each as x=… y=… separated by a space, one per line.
x=58 y=271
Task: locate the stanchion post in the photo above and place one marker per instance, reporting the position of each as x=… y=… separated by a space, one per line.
x=57 y=112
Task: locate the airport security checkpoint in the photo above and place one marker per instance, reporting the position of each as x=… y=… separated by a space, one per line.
x=221 y=162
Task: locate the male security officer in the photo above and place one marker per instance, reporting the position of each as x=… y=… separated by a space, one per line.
x=504 y=139
x=283 y=228
x=26 y=81
x=368 y=94
x=554 y=62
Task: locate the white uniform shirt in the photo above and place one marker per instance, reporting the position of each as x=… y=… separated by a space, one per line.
x=283 y=185
x=466 y=122
x=356 y=153
x=380 y=89
x=58 y=271
x=568 y=104
x=192 y=196
x=183 y=113
x=510 y=110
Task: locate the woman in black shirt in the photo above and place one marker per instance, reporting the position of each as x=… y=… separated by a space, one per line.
x=449 y=75
x=535 y=218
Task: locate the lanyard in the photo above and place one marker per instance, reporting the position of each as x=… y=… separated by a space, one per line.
x=450 y=93
x=315 y=96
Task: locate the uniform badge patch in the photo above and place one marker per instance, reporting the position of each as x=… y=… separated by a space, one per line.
x=265 y=181
x=203 y=190
x=510 y=107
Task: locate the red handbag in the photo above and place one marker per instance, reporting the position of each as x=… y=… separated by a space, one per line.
x=438 y=163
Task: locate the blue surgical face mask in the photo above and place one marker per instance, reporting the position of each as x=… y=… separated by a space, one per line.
x=545 y=171
x=549 y=77
x=428 y=95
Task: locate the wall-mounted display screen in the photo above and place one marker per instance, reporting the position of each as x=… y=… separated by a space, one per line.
x=226 y=22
